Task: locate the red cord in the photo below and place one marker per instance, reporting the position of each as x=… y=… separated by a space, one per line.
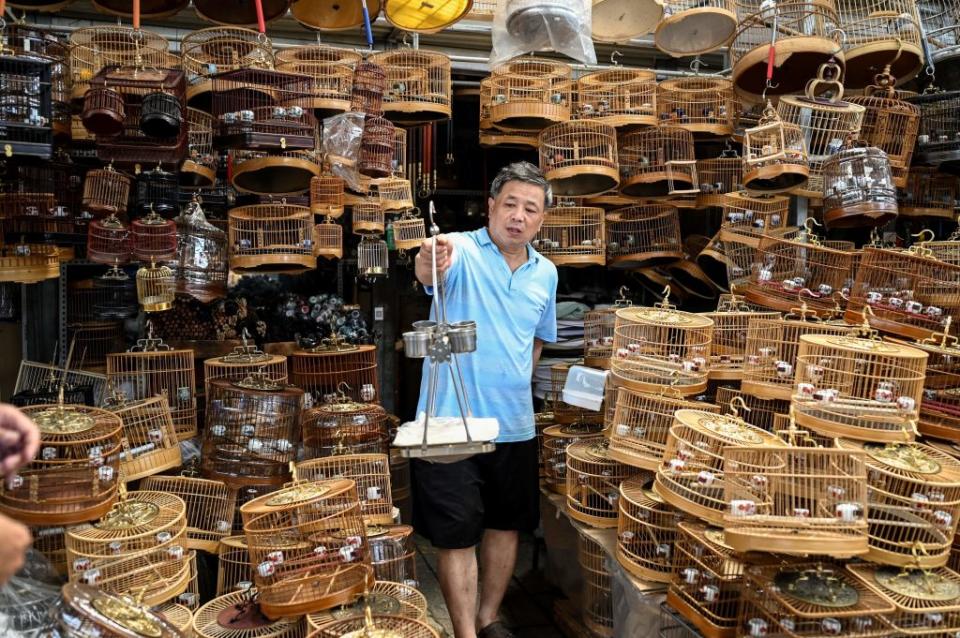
x=136 y=13
x=261 y=24
x=771 y=57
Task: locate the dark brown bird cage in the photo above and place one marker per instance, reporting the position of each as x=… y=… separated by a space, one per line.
x=618 y=97
x=150 y=442
x=377 y=148
x=572 y=236
x=929 y=193
x=774 y=155
x=719 y=176
x=320 y=371
x=938 y=141
x=418 y=86
x=210 y=507
x=103 y=111
x=858 y=189
x=597 y=592
x=201 y=262
x=643 y=235
x=207 y=52
x=330 y=71
x=872 y=41
x=657 y=162
x=108 y=241
x=699 y=104
x=369 y=85
x=105 y=191
x=646 y=532
x=153 y=238
x=529 y=94
x=593 y=483
x=273 y=237
x=579 y=158
x=156 y=190
x=371 y=472
x=343 y=427
x=890 y=123
x=93 y=48
x=326 y=196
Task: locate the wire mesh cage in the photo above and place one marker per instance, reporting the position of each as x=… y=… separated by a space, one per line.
x=377 y=148
x=343 y=427
x=393 y=553
x=923 y=599
x=579 y=157
x=201 y=262
x=371 y=473
x=890 y=124
x=858 y=189
x=368 y=217
x=646 y=532
x=762 y=413
x=105 y=191
x=330 y=71
x=529 y=94
x=309 y=532
x=657 y=162
x=75 y=475
x=597 y=596
x=206 y=52
x=643 y=235
x=692 y=28
x=939 y=415
x=731 y=323
x=210 y=507
x=93 y=48
x=938 y=143
x=153 y=238
x=775 y=158
x=272 y=237
x=929 y=193
x=872 y=41
x=237 y=614
x=572 y=236
x=618 y=97
x=719 y=176
x=369 y=85
x=90 y=610
x=156 y=287
x=593 y=481
x=384 y=597
x=326 y=196
x=233 y=565
x=320 y=371
x=418 y=86
x=702 y=105
x=150 y=442
x=556 y=438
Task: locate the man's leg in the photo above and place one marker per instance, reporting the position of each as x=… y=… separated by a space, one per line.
x=457 y=570
x=498 y=557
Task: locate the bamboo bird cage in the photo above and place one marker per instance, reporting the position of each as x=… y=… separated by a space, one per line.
x=108 y=241
x=598 y=332
x=199 y=169
x=761 y=413
x=156 y=575
x=377 y=625
x=273 y=173
x=699 y=104
x=775 y=158
x=731 y=324
x=643 y=235
x=368 y=218
x=320 y=371
x=330 y=71
x=51 y=542
x=556 y=439
x=328 y=240
x=150 y=442
x=579 y=158
x=657 y=162
x=618 y=97
x=925 y=600
x=929 y=193
x=90 y=611
x=273 y=237
x=384 y=597
x=878 y=34
x=394 y=193
x=344 y=428
x=938 y=141
x=377 y=148
x=940 y=407
x=418 y=86
x=597 y=592
x=234 y=573
x=243 y=14
x=646 y=532
x=430 y=18
x=858 y=189
x=371 y=473
x=692 y=28
x=210 y=507
x=246 y=494
x=28 y=264
x=156 y=287
x=754 y=214
x=492 y=137
x=409 y=230
x=326 y=196
x=175 y=614
x=207 y=52
x=890 y=124
x=593 y=481
x=92 y=48
x=105 y=191
x=529 y=94
x=572 y=236
x=718 y=177
x=238 y=615
x=369 y=85
x=243 y=361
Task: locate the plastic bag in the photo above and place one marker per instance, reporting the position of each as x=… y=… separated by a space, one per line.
x=341 y=146
x=30 y=602
x=525 y=26
x=636 y=613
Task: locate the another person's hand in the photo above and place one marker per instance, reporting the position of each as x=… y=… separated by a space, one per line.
x=424 y=260
x=16 y=542
x=19 y=440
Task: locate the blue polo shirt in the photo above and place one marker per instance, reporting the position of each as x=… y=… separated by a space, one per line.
x=510 y=308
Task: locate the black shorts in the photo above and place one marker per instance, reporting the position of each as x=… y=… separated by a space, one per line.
x=454 y=502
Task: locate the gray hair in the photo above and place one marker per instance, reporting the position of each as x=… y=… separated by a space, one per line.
x=522 y=172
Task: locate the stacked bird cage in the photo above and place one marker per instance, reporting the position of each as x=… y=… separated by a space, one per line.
x=88 y=610
x=618 y=97
x=418 y=88
x=657 y=162
x=579 y=158
x=762 y=413
x=731 y=326
x=598 y=332
x=556 y=439
x=940 y=407
x=593 y=481
x=858 y=189
x=238 y=614
x=243 y=361
x=150 y=442
x=700 y=104
x=529 y=94
x=379 y=625
x=924 y=599
x=646 y=532
x=597 y=592
x=572 y=236
x=321 y=370
x=643 y=235
x=343 y=427
x=233 y=565
x=371 y=472
x=391 y=597
x=490 y=136
x=210 y=507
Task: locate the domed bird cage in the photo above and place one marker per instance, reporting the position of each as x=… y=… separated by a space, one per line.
x=646 y=532
x=371 y=472
x=802 y=36
x=74 y=477
x=368 y=218
x=598 y=332
x=691 y=476
x=243 y=361
x=199 y=170
x=321 y=370
x=93 y=48
x=692 y=28
x=938 y=141
x=384 y=597
x=372 y=257
x=756 y=214
x=418 y=86
x=156 y=287
x=425 y=18
x=731 y=322
x=774 y=155
x=556 y=439
x=369 y=85
x=150 y=442
x=718 y=177
x=210 y=507
x=326 y=196
x=572 y=236
x=579 y=158
x=618 y=97
x=328 y=239
x=237 y=614
x=343 y=427
x=201 y=261
x=858 y=189
x=307 y=533
x=108 y=241
x=643 y=235
x=395 y=193
x=913 y=502
x=251 y=433
x=699 y=104
x=929 y=193
x=924 y=599
x=207 y=52
x=597 y=595
x=272 y=237
x=661 y=346
x=105 y=192
x=156 y=190
x=593 y=483
x=153 y=238
x=657 y=162
x=879 y=34
x=529 y=94
x=234 y=573
x=377 y=148
x=89 y=611
x=330 y=71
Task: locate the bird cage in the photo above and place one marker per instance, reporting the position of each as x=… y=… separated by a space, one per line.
x=661 y=346
x=377 y=624
x=39 y=383
x=940 y=407
x=556 y=439
x=909 y=293
x=74 y=477
x=925 y=600
x=731 y=324
x=175 y=614
x=115 y=295
x=929 y=193
x=372 y=257
x=691 y=475
x=28 y=264
x=241 y=14
x=210 y=507
x=243 y=361
x=233 y=565
x=272 y=237
x=108 y=241
x=322 y=370
x=377 y=148
x=657 y=162
x=757 y=214
x=90 y=611
x=914 y=502
x=938 y=140
x=156 y=190
x=794 y=38
x=699 y=104
x=326 y=196
x=246 y=494
x=890 y=124
x=21 y=204
x=93 y=48
x=858 y=189
x=103 y=111
x=393 y=553
x=251 y=433
x=690 y=280
x=641 y=422
x=646 y=532
x=273 y=173
x=371 y=473
x=394 y=193
x=774 y=155
x=199 y=170
x=237 y=614
x=593 y=480
x=368 y=218
x=155 y=287
x=50 y=541
x=369 y=85
x=815 y=598
x=718 y=177
x=825 y=124
x=418 y=86
x=151 y=367
x=206 y=52
x=409 y=231
x=618 y=97
x=105 y=191
x=596 y=595
x=330 y=71
x=564 y=412
x=201 y=262
x=598 y=332
x=692 y=28
x=153 y=238
x=572 y=236
x=579 y=157
x=873 y=41
x=643 y=235
x=343 y=427
x=309 y=547
x=149 y=439
x=529 y=94
x=761 y=413
x=328 y=240
x=384 y=597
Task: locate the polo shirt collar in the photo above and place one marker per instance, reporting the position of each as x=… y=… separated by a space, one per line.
x=484 y=239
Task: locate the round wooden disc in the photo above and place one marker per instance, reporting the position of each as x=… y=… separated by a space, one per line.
x=799 y=60
x=582 y=181
x=695 y=31
x=333 y=15
x=148 y=8
x=776 y=178
x=239 y=12
x=866 y=215
x=623 y=20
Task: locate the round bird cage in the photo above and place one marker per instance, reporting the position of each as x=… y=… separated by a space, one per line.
x=369 y=85
x=326 y=196
x=368 y=218
x=343 y=427
x=50 y=541
x=199 y=170
x=914 y=502
x=616 y=21
x=108 y=241
x=593 y=481
x=285 y=173
x=332 y=15
x=274 y=237
x=598 y=332
x=150 y=442
x=597 y=596
x=240 y=13
x=925 y=600
x=529 y=94
x=657 y=162
x=156 y=287
x=701 y=105
x=929 y=193
x=201 y=262
x=425 y=18
x=757 y=214
x=646 y=532
x=731 y=324
x=156 y=190
x=384 y=597
x=940 y=407
x=491 y=137
x=321 y=371
x=774 y=155
x=103 y=111
x=371 y=472
x=938 y=141
x=691 y=476
x=879 y=34
x=28 y=264
x=579 y=158
x=394 y=193
x=234 y=573
x=618 y=97
x=556 y=439
x=105 y=192
x=207 y=52
x=307 y=533
x=238 y=614
x=393 y=553
x=210 y=507
x=718 y=177
x=572 y=236
x=93 y=48
x=377 y=148
x=858 y=189
x=153 y=238
x=643 y=235
x=661 y=346
x=243 y=361
x=74 y=477
x=89 y=611
x=374 y=624
x=330 y=71
x=693 y=27
x=418 y=86
x=328 y=240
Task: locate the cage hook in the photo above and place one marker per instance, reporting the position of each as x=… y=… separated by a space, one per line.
x=613 y=57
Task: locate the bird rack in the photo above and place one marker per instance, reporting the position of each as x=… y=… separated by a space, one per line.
x=530 y=94
x=108 y=241
x=661 y=346
x=754 y=214
x=321 y=370
x=210 y=507
x=646 y=532
x=409 y=230
x=376 y=624
x=718 y=177
x=150 y=368
x=731 y=323
x=699 y=104
x=641 y=423
x=618 y=97
x=201 y=262
x=692 y=28
x=593 y=480
x=858 y=189
x=938 y=142
x=93 y=48
x=761 y=413
x=940 y=407
x=153 y=238
x=156 y=190
x=344 y=427
x=234 y=573
x=643 y=235
x=326 y=195
x=90 y=611
x=775 y=156
x=418 y=86
x=308 y=547
x=556 y=439
x=28 y=264
x=929 y=193
x=923 y=599
x=791 y=39
x=890 y=124
x=377 y=148
x=369 y=85
x=657 y=162
x=892 y=36
x=597 y=596
x=237 y=614
x=105 y=191
x=328 y=240
x=579 y=157
x=330 y=71
x=243 y=361
x=199 y=169
x=598 y=332
x=150 y=442
x=272 y=237
x=371 y=472
x=691 y=475
x=74 y=477
x=207 y=52
x=572 y=236
x=384 y=597
x=156 y=287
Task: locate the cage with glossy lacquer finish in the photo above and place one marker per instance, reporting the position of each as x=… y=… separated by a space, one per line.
x=925 y=600
x=369 y=85
x=108 y=241
x=237 y=614
x=153 y=238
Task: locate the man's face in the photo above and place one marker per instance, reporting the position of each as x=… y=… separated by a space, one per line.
x=516 y=215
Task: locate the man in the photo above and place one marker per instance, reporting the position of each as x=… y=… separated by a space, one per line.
x=494 y=277
x=19 y=440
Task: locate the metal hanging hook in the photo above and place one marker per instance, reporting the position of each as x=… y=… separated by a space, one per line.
x=613 y=57
x=696 y=63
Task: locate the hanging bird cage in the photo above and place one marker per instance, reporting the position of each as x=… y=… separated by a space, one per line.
x=598 y=332
x=563 y=412
x=74 y=477
x=646 y=532
x=699 y=104
x=756 y=214
x=394 y=193
x=241 y=13
x=28 y=264
x=890 y=124
x=151 y=367
x=243 y=361
x=715 y=262
x=237 y=614
x=342 y=427
x=90 y=611
x=368 y=218
x=330 y=71
x=858 y=189
x=597 y=595
x=210 y=507
x=309 y=547
x=793 y=37
x=207 y=52
x=103 y=111
x=272 y=237
x=150 y=442
x=384 y=597
x=657 y=162
x=93 y=48
x=556 y=439
x=490 y=136
x=529 y=94
x=95 y=340
x=108 y=241
x=572 y=236
x=762 y=413
x=579 y=158
x=913 y=502
x=201 y=262
x=251 y=433
x=372 y=257
x=273 y=173
x=377 y=624
x=643 y=235
x=731 y=323
x=661 y=346
x=641 y=422
x=328 y=240
x=115 y=295
x=774 y=155
x=199 y=170
x=878 y=35
x=393 y=554
x=418 y=86
x=234 y=573
x=940 y=407
x=593 y=481
x=692 y=27
x=371 y=472
x=409 y=231
x=105 y=192
x=153 y=238
x=156 y=190
x=925 y=600
x=377 y=148
x=326 y=196
x=691 y=475
x=369 y=85
x=156 y=287
x=718 y=177
x=938 y=141
x=618 y=97
x=929 y=193
x=321 y=371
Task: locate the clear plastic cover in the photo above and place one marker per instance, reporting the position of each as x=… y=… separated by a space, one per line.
x=341 y=146
x=30 y=602
x=525 y=26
